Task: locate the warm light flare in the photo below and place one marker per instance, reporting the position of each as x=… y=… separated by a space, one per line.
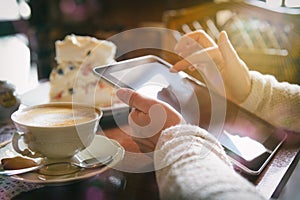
x=274 y=3
x=287 y=3
x=24 y=10
x=292 y=3
x=14 y=10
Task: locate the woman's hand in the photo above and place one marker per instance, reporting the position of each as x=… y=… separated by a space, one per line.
x=215 y=62
x=148 y=118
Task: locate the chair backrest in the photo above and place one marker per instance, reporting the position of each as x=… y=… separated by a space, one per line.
x=267 y=39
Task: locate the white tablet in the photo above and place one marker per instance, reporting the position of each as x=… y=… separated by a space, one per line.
x=250 y=147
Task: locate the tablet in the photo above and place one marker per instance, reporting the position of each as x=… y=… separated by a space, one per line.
x=251 y=142
x=250 y=148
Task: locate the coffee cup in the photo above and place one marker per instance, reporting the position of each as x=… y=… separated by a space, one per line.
x=54 y=130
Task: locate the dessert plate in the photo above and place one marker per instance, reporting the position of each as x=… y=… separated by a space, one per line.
x=100 y=147
x=40 y=94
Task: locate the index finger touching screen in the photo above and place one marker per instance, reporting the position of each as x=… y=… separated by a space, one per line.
x=135 y=100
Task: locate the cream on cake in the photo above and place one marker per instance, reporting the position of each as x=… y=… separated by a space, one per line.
x=73 y=78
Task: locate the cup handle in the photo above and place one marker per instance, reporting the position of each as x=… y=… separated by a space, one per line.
x=26 y=152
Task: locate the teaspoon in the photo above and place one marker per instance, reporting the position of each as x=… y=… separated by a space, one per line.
x=86 y=164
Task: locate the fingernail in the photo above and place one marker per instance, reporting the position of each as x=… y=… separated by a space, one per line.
x=124 y=94
x=120 y=93
x=180 y=53
x=225 y=34
x=173 y=70
x=193 y=68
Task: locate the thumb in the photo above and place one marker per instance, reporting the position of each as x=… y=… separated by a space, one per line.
x=227 y=50
x=235 y=69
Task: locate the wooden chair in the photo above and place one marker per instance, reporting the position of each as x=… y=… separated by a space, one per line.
x=267 y=39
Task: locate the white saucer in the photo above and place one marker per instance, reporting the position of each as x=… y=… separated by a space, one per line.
x=100 y=147
x=40 y=95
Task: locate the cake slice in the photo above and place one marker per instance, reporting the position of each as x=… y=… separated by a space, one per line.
x=73 y=79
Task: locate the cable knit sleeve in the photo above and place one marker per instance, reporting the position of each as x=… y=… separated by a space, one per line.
x=276 y=102
x=191 y=164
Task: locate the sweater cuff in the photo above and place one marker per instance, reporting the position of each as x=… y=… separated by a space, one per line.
x=183 y=140
x=255 y=96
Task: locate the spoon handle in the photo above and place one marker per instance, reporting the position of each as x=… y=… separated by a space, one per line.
x=3 y=144
x=19 y=171
x=95 y=162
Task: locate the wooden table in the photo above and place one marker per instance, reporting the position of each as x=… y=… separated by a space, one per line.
x=117 y=184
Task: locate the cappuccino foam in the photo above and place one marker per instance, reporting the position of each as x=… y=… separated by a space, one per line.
x=54 y=116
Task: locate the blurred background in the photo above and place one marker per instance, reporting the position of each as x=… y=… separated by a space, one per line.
x=268 y=30
x=264 y=32
x=29 y=28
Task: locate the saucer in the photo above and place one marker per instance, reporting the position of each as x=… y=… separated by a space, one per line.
x=100 y=147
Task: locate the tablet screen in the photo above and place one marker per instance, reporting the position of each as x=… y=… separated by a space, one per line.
x=148 y=78
x=243 y=146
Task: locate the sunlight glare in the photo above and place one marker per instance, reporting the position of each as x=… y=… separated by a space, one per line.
x=292 y=3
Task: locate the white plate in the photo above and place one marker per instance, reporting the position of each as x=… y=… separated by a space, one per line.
x=40 y=95
x=100 y=147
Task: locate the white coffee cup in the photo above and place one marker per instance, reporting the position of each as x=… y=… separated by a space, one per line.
x=55 y=130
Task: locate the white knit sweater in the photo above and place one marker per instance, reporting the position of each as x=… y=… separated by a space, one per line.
x=191 y=164
x=276 y=102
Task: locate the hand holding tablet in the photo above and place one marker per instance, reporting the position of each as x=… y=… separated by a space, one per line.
x=151 y=76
